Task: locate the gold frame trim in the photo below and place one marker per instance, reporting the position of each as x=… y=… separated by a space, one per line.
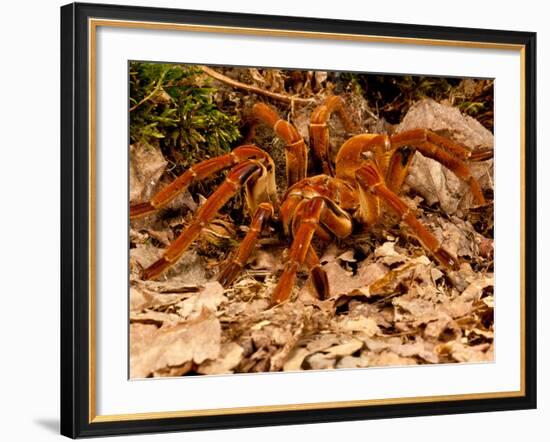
x=93 y=24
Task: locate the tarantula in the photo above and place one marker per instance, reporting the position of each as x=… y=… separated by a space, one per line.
x=368 y=169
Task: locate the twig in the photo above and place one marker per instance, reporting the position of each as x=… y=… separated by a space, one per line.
x=237 y=84
x=371 y=114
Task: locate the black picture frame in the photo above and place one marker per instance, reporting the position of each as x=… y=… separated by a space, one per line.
x=76 y=417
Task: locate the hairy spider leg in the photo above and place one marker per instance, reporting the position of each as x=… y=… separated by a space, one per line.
x=237 y=177
x=310 y=215
x=296 y=150
x=310 y=209
x=369 y=178
x=443 y=150
x=319 y=133
x=398 y=167
x=235 y=264
x=196 y=173
x=318 y=275
x=353 y=153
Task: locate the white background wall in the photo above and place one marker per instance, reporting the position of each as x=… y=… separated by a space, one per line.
x=29 y=219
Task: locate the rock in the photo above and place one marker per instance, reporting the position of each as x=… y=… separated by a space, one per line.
x=429 y=178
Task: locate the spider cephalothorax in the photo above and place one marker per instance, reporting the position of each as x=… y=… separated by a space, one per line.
x=366 y=176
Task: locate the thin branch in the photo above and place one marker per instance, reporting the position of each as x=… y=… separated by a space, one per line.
x=238 y=85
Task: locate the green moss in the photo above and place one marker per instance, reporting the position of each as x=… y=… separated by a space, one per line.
x=172 y=107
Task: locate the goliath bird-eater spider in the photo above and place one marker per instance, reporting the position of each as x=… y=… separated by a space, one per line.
x=369 y=169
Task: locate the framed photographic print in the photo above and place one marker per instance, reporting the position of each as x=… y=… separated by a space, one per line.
x=279 y=220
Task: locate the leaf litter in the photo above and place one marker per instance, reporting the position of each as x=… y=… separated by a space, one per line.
x=389 y=303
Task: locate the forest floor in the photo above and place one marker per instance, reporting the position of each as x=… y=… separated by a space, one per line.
x=390 y=303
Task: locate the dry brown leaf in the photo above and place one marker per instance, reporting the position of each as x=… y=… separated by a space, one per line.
x=139 y=299
x=194 y=341
x=325 y=350
x=257 y=77
x=387 y=358
x=139 y=333
x=395 y=345
x=322 y=342
x=417 y=348
x=460 y=238
x=210 y=298
x=418 y=268
x=345 y=349
x=366 y=326
x=189 y=270
x=475 y=289
x=295 y=359
x=343 y=282
x=146 y=167
x=353 y=361
x=435 y=328
x=165 y=237
x=145 y=255
x=320 y=361
x=462 y=353
x=487 y=334
x=331 y=253
x=151 y=295
x=347 y=256
x=279 y=358
x=422 y=311
x=137 y=237
x=275 y=80
x=162 y=319
x=269 y=335
x=178 y=370
x=320 y=77
x=489 y=301
x=230 y=356
x=387 y=254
